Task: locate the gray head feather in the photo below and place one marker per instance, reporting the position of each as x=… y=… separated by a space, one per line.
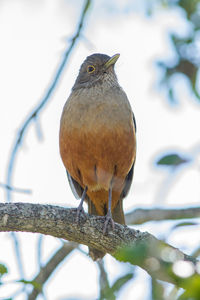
x=93 y=71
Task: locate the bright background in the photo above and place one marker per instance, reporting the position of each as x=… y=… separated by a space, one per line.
x=34 y=35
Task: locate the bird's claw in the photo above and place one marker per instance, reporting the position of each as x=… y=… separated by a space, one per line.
x=108 y=219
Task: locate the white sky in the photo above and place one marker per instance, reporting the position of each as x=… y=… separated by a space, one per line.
x=34 y=35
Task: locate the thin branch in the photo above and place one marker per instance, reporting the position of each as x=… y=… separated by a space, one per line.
x=194 y=86
x=37 y=110
x=103 y=279
x=143 y=215
x=45 y=99
x=125 y=244
x=39 y=250
x=14 y=189
x=49 y=268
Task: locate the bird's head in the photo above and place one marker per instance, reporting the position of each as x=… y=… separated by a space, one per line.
x=96 y=69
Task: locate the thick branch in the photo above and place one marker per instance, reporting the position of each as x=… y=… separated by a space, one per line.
x=60 y=222
x=142 y=215
x=138 y=216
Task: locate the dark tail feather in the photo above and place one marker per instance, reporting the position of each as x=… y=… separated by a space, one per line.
x=118 y=216
x=118 y=213
x=94 y=253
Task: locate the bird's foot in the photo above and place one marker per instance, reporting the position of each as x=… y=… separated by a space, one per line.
x=108 y=219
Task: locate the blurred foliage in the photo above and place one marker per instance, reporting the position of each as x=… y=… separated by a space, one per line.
x=192 y=289
x=162 y=260
x=186 y=223
x=3 y=270
x=186 y=62
x=187 y=50
x=157 y=290
x=109 y=293
x=34 y=284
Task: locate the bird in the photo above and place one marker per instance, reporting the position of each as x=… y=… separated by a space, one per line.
x=97 y=141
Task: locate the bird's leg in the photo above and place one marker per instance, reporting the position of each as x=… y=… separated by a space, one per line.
x=108 y=217
x=80 y=209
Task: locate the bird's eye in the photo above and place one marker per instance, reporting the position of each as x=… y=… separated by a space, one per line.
x=90 y=69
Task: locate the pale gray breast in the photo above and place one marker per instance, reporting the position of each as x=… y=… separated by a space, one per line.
x=97 y=106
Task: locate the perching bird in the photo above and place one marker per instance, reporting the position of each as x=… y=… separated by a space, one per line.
x=98 y=142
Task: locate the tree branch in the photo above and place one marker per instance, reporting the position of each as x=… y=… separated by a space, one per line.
x=38 y=108
x=142 y=215
x=14 y=189
x=35 y=113
x=49 y=268
x=138 y=216
x=125 y=244
x=103 y=279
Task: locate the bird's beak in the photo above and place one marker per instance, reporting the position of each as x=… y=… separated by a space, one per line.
x=112 y=61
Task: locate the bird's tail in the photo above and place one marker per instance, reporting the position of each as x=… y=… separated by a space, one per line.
x=118 y=216
x=94 y=253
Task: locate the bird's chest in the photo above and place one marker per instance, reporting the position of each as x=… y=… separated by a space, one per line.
x=96 y=112
x=95 y=138
x=96 y=123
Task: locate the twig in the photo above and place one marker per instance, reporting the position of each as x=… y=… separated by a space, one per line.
x=39 y=250
x=142 y=215
x=14 y=189
x=103 y=279
x=125 y=244
x=50 y=267
x=34 y=114
x=45 y=99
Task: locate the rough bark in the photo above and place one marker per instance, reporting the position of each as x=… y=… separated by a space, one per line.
x=123 y=243
x=142 y=215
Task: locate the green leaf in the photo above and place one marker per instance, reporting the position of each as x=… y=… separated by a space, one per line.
x=185 y=224
x=3 y=270
x=172 y=160
x=35 y=284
